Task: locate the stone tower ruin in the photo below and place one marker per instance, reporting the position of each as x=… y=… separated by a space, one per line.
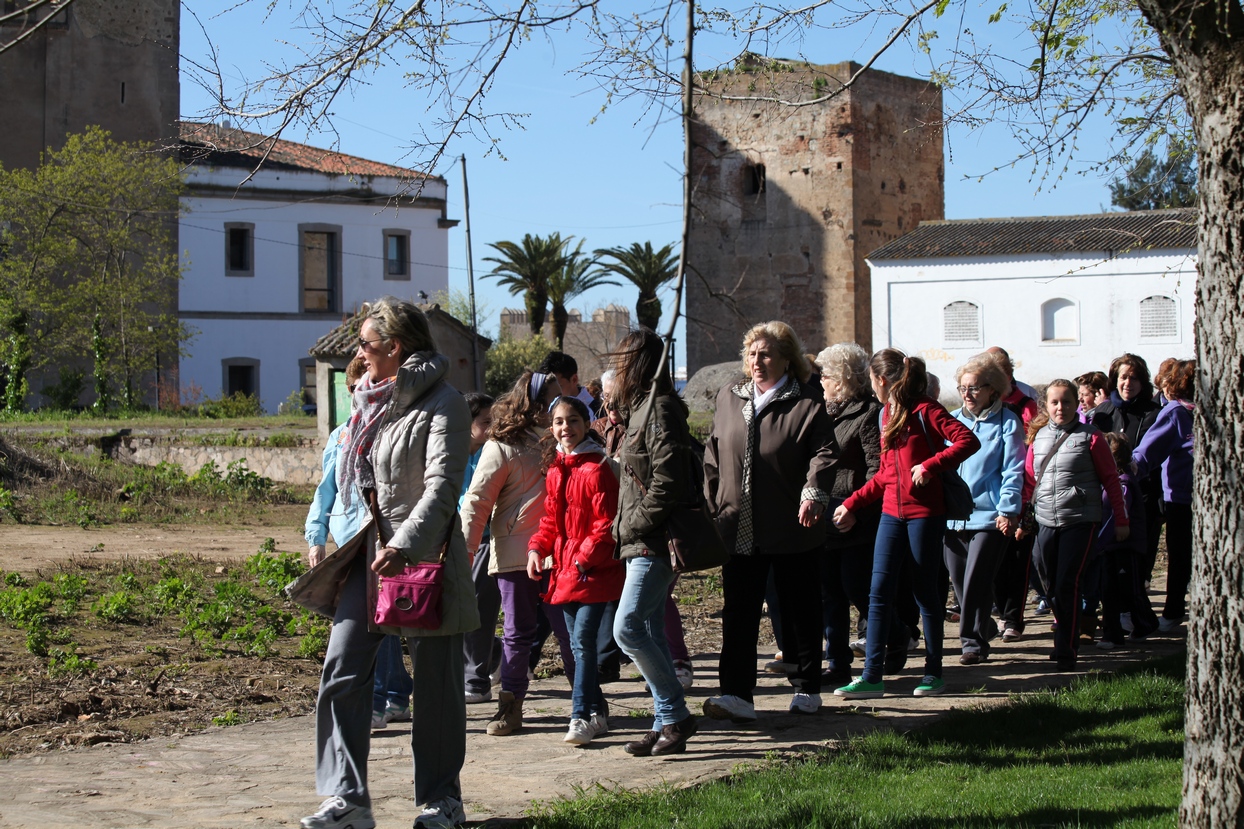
x=789 y=197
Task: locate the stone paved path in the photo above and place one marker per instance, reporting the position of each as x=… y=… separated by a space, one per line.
x=262 y=774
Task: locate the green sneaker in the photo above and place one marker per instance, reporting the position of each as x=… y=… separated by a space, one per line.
x=859 y=689
x=930 y=686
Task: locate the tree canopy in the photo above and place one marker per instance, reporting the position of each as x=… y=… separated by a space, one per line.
x=1150 y=184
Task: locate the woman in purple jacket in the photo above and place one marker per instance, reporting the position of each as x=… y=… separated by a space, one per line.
x=1168 y=444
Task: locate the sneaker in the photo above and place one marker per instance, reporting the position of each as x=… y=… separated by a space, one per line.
x=1012 y=635
x=802 y=703
x=444 y=814
x=1125 y=622
x=1166 y=625
x=1043 y=608
x=685 y=673
x=396 y=713
x=970 y=658
x=859 y=689
x=914 y=645
x=777 y=666
x=336 y=813
x=600 y=724
x=579 y=734
x=378 y=722
x=509 y=716
x=1067 y=663
x=673 y=739
x=643 y=746
x=730 y=707
x=474 y=697
x=835 y=678
x=930 y=686
x=1106 y=645
x=858 y=647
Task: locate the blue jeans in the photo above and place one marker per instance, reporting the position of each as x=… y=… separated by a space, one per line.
x=583 y=625
x=639 y=628
x=393 y=683
x=920 y=538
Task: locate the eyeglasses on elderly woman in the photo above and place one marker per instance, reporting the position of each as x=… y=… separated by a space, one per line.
x=972 y=390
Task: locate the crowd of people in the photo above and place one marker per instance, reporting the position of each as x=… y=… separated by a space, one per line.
x=836 y=481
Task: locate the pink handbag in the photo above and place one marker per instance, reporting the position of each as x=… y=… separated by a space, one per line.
x=412 y=599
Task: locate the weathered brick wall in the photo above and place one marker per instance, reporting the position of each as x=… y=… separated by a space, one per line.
x=838 y=176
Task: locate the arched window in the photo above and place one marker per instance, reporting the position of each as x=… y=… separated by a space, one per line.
x=961 y=324
x=1159 y=318
x=1060 y=322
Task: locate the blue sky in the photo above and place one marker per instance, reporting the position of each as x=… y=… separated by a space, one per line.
x=610 y=178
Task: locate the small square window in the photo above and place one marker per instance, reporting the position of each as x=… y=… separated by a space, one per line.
x=239 y=249
x=397 y=254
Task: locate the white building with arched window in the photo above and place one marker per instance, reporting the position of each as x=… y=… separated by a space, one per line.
x=1062 y=294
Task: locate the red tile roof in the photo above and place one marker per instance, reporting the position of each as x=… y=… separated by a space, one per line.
x=1100 y=232
x=229 y=147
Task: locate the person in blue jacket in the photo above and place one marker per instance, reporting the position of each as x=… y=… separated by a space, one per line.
x=995 y=475
x=329 y=516
x=1168 y=444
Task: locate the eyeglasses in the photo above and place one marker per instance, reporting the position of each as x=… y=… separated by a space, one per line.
x=366 y=344
x=972 y=390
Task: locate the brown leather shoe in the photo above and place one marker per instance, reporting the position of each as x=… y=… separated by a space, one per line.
x=673 y=739
x=643 y=746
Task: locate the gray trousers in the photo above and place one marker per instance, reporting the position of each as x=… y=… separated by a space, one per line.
x=481 y=648
x=343 y=711
x=973 y=558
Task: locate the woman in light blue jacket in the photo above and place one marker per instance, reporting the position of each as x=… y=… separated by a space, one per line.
x=995 y=474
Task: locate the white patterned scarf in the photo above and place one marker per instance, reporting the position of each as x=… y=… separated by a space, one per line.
x=354 y=463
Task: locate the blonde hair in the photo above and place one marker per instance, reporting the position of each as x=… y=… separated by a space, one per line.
x=988 y=372
x=788 y=346
x=397 y=320
x=848 y=364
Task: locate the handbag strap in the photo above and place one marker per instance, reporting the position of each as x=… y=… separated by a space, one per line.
x=927 y=440
x=643 y=490
x=1045 y=462
x=373 y=503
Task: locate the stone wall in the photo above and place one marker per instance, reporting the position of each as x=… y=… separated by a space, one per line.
x=789 y=200
x=291 y=465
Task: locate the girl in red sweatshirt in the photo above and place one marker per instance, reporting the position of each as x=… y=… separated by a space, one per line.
x=576 y=532
x=919 y=440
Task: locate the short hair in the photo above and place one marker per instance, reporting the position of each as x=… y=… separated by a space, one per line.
x=934 y=385
x=559 y=363
x=1121 y=449
x=987 y=369
x=607 y=377
x=1181 y=381
x=595 y=387
x=1095 y=380
x=1004 y=360
x=397 y=320
x=1163 y=373
x=846 y=363
x=354 y=370
x=1138 y=365
x=477 y=401
x=788 y=345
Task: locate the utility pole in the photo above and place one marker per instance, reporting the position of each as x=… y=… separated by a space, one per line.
x=476 y=368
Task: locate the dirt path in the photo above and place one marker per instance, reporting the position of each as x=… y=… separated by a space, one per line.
x=262 y=774
x=25 y=547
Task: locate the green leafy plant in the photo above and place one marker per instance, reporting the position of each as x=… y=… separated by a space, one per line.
x=119 y=607
x=67 y=662
x=231 y=405
x=231 y=717
x=72 y=589
x=275 y=570
x=15 y=580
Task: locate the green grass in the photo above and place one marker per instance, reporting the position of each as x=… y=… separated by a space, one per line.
x=1104 y=752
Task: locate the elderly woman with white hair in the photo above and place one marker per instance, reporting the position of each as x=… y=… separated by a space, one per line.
x=995 y=475
x=768 y=471
x=846 y=567
x=409 y=441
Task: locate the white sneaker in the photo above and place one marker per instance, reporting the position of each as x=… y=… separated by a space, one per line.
x=378 y=722
x=685 y=673
x=730 y=707
x=396 y=713
x=599 y=724
x=914 y=645
x=805 y=703
x=472 y=697
x=444 y=814
x=1125 y=622
x=336 y=813
x=579 y=734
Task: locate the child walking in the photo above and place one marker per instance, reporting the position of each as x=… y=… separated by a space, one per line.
x=1069 y=464
x=576 y=532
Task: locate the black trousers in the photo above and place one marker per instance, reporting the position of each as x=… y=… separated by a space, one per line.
x=1179 y=559
x=1010 y=584
x=1061 y=554
x=797 y=579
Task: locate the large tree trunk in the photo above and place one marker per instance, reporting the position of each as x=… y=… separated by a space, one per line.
x=1206 y=42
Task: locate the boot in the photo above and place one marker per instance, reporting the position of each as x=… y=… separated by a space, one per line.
x=509 y=716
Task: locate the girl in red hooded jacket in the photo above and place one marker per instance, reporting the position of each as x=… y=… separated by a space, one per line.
x=577 y=533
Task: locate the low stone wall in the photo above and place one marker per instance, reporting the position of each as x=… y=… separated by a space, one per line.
x=292 y=465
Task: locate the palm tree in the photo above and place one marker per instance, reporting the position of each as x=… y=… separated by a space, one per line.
x=527 y=268
x=575 y=277
x=649 y=270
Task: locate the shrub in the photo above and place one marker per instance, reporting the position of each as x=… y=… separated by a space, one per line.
x=172 y=593
x=118 y=607
x=64 y=393
x=231 y=405
x=72 y=589
x=66 y=662
x=274 y=571
x=507 y=358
